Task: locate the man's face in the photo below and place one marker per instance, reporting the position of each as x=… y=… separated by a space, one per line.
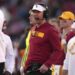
x=32 y=19
x=65 y=23
x=38 y=16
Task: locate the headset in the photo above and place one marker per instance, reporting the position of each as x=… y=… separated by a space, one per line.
x=46 y=12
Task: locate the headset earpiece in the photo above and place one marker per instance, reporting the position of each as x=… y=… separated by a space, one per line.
x=45 y=14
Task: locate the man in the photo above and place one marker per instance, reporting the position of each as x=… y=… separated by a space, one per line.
x=66 y=21
x=44 y=44
x=6 y=49
x=69 y=62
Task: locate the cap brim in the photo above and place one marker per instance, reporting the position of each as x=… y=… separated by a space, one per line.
x=38 y=8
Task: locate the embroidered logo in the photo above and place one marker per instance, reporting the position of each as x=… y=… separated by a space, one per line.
x=37 y=34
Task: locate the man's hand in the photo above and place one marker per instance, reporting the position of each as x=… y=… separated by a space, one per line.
x=43 y=68
x=65 y=72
